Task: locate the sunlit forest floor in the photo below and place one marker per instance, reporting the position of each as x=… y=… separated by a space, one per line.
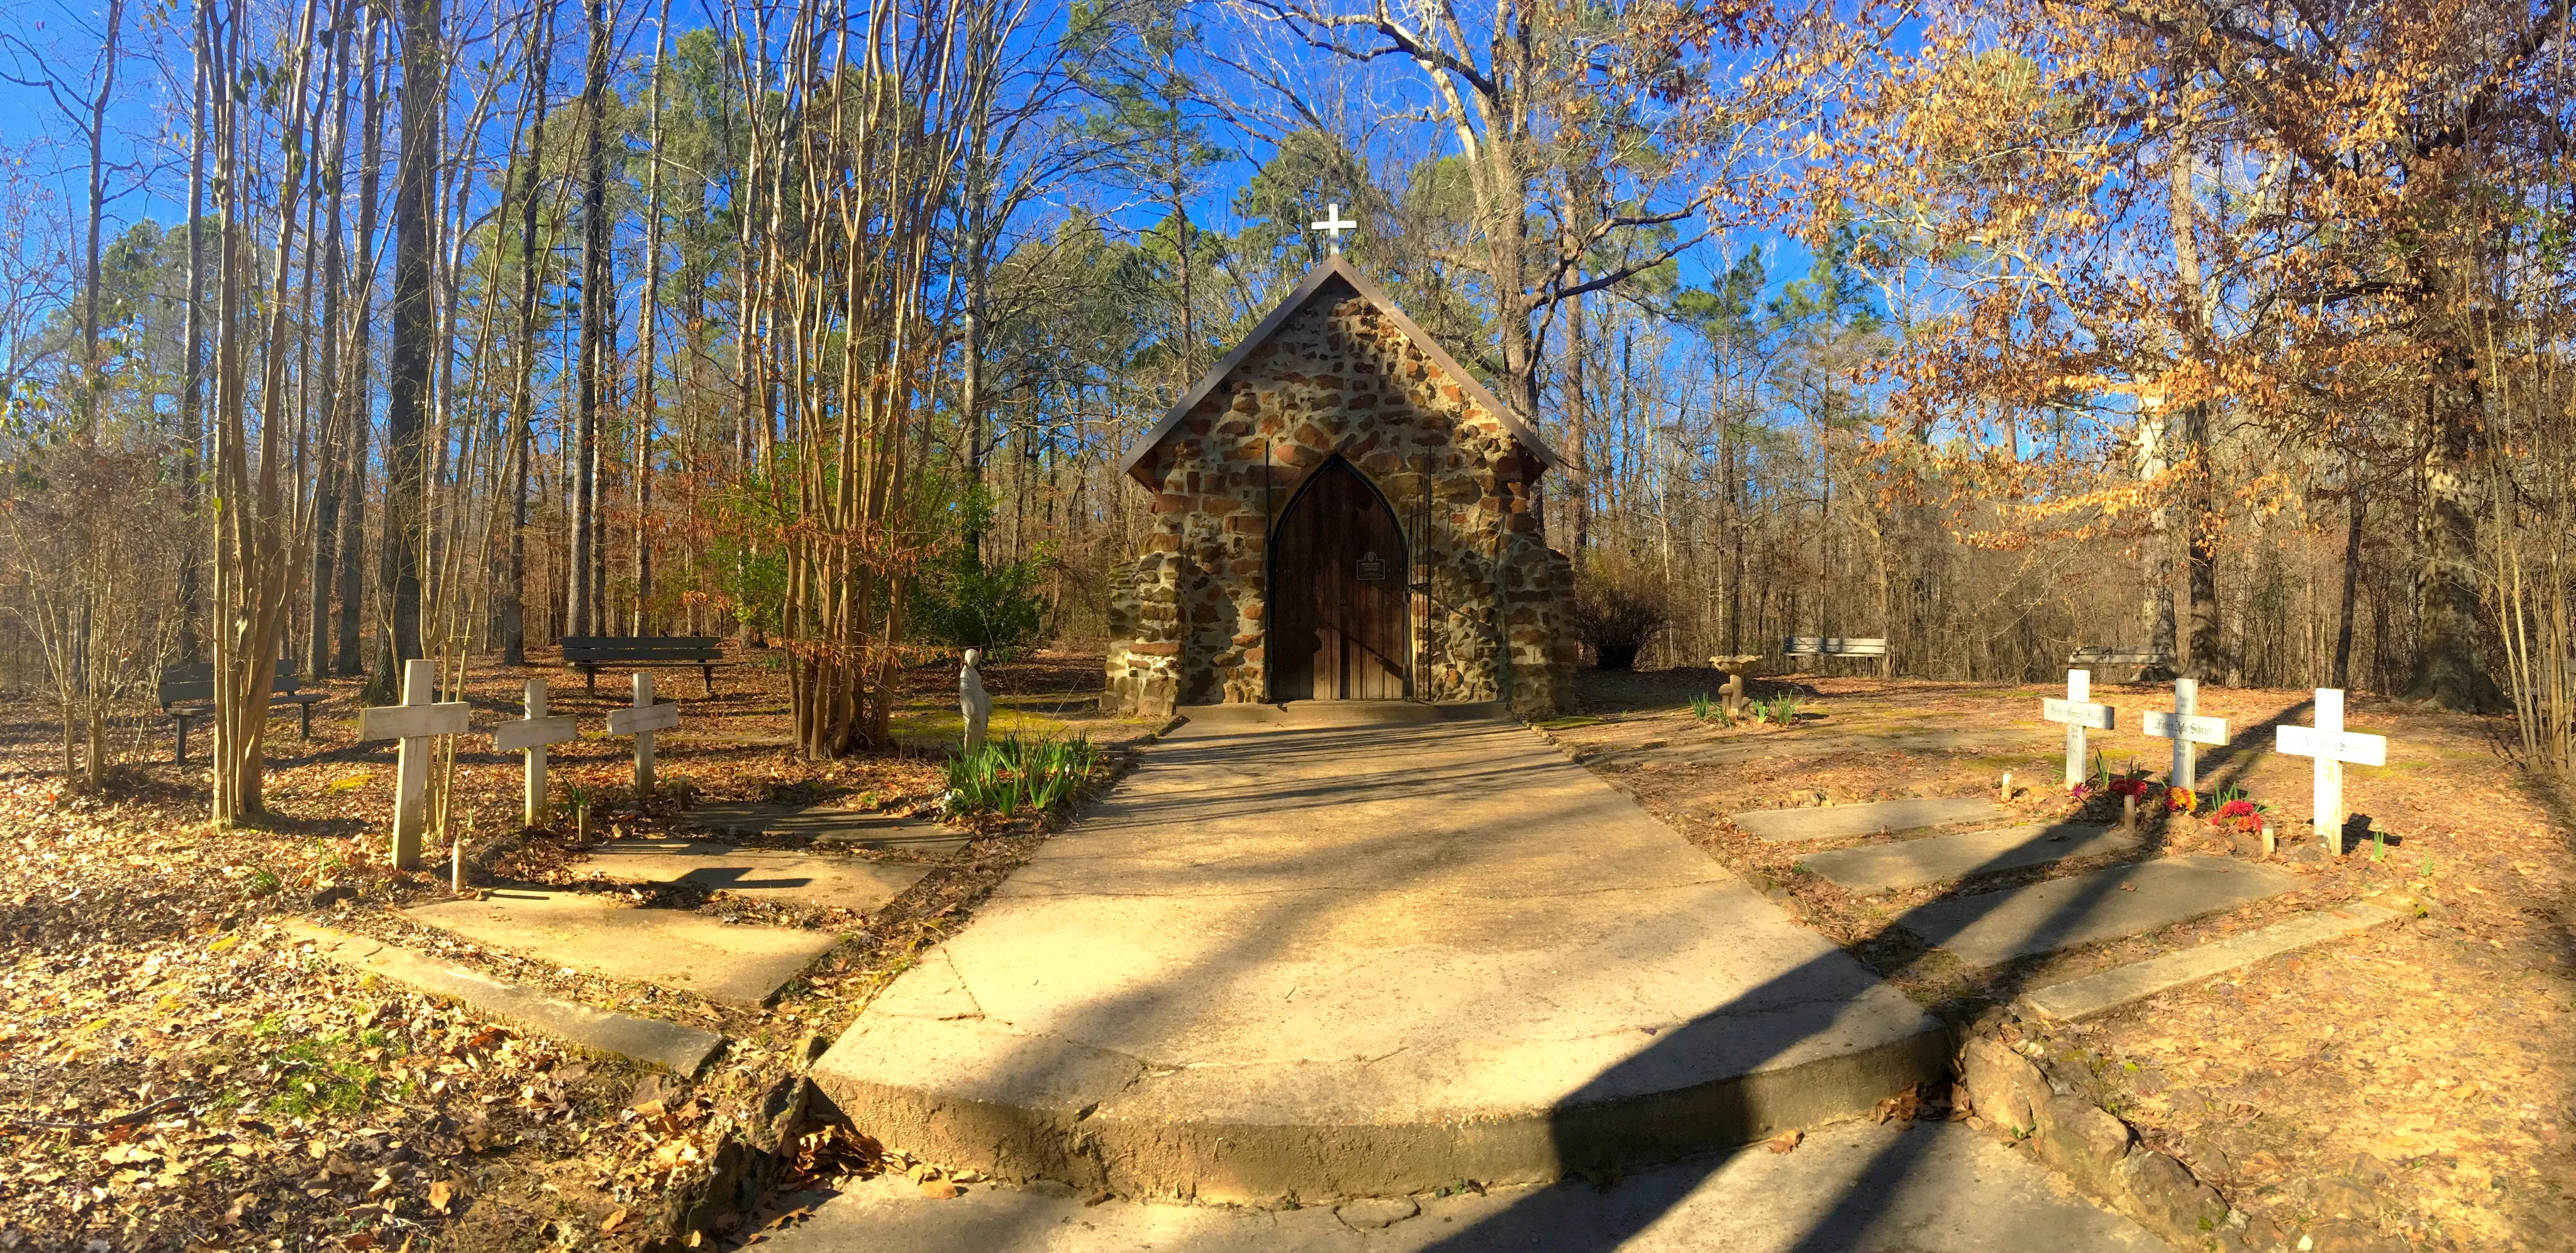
x=2415 y=1079
x=175 y=1072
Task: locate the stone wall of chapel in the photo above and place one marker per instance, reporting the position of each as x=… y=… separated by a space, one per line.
x=1339 y=377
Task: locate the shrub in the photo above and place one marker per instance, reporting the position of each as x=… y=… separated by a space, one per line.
x=1010 y=775
x=964 y=602
x=1618 y=606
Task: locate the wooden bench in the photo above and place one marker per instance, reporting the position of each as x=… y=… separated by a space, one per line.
x=587 y=653
x=2105 y=655
x=1830 y=646
x=188 y=695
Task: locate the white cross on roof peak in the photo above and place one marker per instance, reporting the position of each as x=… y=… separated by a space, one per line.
x=1333 y=225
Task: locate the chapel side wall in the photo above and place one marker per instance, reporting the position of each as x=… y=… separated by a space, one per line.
x=1338 y=376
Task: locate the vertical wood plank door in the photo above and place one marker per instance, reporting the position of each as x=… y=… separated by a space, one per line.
x=1338 y=625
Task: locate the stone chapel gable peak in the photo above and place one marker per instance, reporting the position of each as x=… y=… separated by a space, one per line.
x=1334 y=271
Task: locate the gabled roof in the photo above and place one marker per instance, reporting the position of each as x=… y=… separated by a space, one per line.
x=1334 y=267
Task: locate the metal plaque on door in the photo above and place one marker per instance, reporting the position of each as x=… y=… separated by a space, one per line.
x=1372 y=567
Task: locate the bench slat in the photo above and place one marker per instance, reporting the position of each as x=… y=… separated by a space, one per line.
x=1832 y=646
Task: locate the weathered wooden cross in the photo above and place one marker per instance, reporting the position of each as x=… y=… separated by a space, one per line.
x=412 y=722
x=529 y=737
x=2187 y=729
x=641 y=720
x=2078 y=712
x=2331 y=746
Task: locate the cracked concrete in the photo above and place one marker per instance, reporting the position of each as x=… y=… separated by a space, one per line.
x=1302 y=958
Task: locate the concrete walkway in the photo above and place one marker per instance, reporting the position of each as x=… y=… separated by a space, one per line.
x=1853 y=1188
x=1301 y=958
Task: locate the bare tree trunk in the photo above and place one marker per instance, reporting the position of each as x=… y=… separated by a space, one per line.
x=596 y=299
x=361 y=358
x=2200 y=513
x=192 y=387
x=411 y=349
x=514 y=584
x=335 y=425
x=2351 y=573
x=649 y=320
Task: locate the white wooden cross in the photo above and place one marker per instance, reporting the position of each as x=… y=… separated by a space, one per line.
x=2332 y=746
x=641 y=721
x=1333 y=226
x=2187 y=729
x=529 y=736
x=2078 y=712
x=412 y=722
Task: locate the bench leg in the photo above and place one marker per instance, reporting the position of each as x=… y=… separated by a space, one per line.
x=307 y=711
x=182 y=756
x=708 y=673
x=590 y=676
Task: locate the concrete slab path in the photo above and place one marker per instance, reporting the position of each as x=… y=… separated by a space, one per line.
x=1288 y=959
x=848 y=828
x=1875 y=868
x=2110 y=989
x=1852 y=1188
x=668 y=1045
x=1837 y=822
x=1991 y=928
x=672 y=948
x=773 y=874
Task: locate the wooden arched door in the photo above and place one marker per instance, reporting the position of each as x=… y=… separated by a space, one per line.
x=1337 y=600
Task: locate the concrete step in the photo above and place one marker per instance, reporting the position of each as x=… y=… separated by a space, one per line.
x=1851 y=1188
x=1335 y=713
x=1875 y=868
x=1991 y=928
x=1320 y=964
x=1838 y=822
x=608 y=935
x=824 y=824
x=759 y=873
x=651 y=1041
x=2110 y=989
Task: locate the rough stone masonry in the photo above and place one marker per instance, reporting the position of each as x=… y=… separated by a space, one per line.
x=1337 y=370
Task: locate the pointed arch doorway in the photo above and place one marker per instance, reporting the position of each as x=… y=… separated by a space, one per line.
x=1338 y=620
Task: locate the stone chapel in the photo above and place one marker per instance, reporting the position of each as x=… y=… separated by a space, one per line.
x=1341 y=512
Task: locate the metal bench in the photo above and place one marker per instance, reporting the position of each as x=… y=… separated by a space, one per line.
x=187 y=694
x=1831 y=646
x=587 y=653
x=2147 y=659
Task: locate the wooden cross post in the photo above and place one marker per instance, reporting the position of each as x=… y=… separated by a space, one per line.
x=2078 y=712
x=641 y=721
x=2331 y=746
x=529 y=736
x=412 y=722
x=2187 y=729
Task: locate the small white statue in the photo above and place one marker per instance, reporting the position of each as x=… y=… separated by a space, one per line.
x=973 y=702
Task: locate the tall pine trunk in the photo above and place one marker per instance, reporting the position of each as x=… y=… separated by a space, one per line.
x=410 y=352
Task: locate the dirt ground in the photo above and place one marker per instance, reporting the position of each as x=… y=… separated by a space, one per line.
x=2416 y=1082
x=175 y=1074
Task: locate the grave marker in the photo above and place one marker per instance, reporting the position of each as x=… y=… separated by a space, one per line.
x=2331 y=746
x=2187 y=729
x=412 y=723
x=529 y=737
x=641 y=720
x=2078 y=712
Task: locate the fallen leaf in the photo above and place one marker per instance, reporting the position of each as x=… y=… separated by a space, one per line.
x=441 y=1193
x=1786 y=1140
x=941 y=1189
x=616 y=1218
